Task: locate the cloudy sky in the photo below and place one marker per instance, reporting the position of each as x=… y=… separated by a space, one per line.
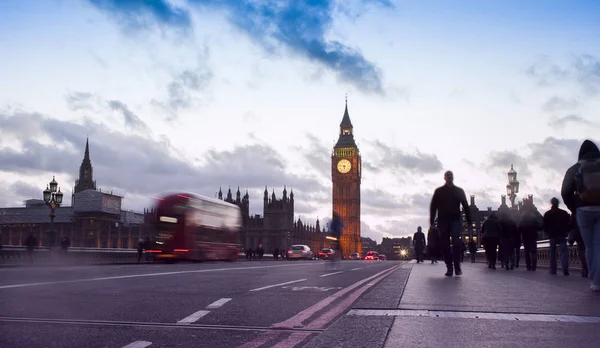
x=202 y=94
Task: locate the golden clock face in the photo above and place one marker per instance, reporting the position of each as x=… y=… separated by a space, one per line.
x=344 y=166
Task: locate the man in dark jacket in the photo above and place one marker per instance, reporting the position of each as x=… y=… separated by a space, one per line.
x=419 y=244
x=528 y=228
x=507 y=241
x=556 y=226
x=584 y=208
x=490 y=237
x=446 y=202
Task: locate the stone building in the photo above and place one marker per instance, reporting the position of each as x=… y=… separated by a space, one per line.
x=94 y=219
x=276 y=227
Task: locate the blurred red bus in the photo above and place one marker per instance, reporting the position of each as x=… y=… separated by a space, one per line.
x=194 y=227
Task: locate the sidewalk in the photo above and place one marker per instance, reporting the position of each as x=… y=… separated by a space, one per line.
x=417 y=306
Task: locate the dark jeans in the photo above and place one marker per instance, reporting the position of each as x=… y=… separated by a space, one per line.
x=564 y=253
x=419 y=254
x=517 y=253
x=450 y=229
x=491 y=250
x=530 y=249
x=508 y=253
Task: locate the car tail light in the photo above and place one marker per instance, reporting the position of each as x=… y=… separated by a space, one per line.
x=290 y=252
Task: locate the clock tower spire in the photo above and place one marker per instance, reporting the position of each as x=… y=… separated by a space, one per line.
x=86 y=172
x=346 y=179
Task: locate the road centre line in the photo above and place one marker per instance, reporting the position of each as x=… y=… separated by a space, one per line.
x=194 y=317
x=356 y=269
x=330 y=274
x=147 y=275
x=138 y=344
x=274 y=285
x=218 y=303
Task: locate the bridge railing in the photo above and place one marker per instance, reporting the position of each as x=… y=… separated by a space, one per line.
x=543 y=254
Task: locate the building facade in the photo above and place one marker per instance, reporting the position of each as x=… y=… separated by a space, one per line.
x=94 y=219
x=276 y=227
x=346 y=179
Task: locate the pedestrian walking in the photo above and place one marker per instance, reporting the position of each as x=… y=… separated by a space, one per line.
x=446 y=203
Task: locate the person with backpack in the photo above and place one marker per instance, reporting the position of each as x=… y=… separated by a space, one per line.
x=581 y=194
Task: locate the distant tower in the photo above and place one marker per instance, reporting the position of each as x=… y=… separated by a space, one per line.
x=86 y=173
x=346 y=178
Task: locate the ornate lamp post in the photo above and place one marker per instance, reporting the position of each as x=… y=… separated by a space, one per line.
x=512 y=188
x=53 y=198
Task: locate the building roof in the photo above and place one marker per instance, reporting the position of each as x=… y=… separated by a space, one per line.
x=34 y=215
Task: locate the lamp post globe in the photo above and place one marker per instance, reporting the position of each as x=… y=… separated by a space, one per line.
x=47 y=195
x=53 y=185
x=59 y=197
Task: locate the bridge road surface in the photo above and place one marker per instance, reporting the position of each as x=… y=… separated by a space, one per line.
x=218 y=304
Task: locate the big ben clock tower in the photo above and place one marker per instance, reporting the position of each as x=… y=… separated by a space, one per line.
x=346 y=176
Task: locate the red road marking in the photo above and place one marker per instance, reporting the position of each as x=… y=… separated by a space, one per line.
x=296 y=320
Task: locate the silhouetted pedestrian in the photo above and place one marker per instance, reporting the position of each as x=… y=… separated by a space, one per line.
x=419 y=244
x=556 y=226
x=490 y=232
x=528 y=228
x=446 y=202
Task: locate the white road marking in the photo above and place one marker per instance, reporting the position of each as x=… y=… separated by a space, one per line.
x=138 y=344
x=280 y=284
x=330 y=274
x=356 y=269
x=476 y=315
x=193 y=318
x=218 y=303
x=150 y=275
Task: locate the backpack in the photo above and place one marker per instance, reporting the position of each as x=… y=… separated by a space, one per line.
x=587 y=179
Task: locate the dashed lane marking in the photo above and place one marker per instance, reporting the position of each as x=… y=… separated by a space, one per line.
x=356 y=269
x=280 y=284
x=138 y=344
x=194 y=317
x=330 y=274
x=218 y=303
x=150 y=275
x=582 y=319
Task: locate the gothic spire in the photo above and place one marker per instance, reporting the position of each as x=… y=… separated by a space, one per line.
x=346 y=119
x=86 y=156
x=346 y=138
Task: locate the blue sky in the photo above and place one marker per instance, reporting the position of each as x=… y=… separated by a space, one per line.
x=198 y=94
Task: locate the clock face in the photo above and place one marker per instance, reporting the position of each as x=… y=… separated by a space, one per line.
x=344 y=166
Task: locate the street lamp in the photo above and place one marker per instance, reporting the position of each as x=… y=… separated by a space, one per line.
x=512 y=188
x=53 y=198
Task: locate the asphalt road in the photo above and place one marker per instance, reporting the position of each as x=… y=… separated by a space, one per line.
x=240 y=304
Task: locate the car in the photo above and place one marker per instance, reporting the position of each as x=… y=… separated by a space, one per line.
x=372 y=255
x=355 y=256
x=326 y=253
x=300 y=251
x=382 y=257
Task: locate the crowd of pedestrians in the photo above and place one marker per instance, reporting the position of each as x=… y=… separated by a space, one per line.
x=502 y=235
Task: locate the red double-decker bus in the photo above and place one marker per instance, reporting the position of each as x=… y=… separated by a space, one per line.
x=194 y=227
